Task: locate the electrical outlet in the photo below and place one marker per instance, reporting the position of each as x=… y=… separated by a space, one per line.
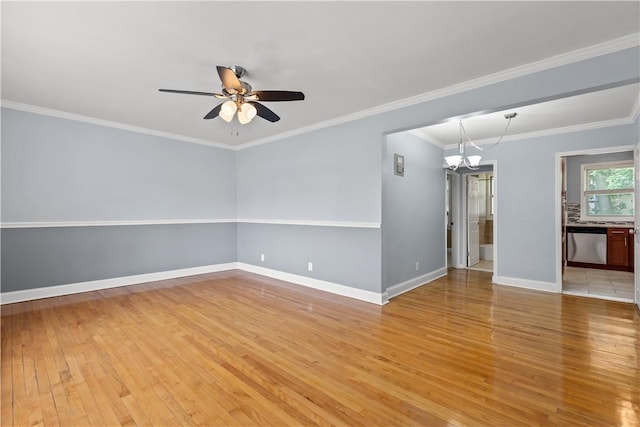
x=417 y=266
x=310 y=266
x=262 y=257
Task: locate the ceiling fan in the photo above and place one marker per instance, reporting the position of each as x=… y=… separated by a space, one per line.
x=241 y=98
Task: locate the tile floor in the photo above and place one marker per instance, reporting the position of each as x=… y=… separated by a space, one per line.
x=483 y=265
x=606 y=284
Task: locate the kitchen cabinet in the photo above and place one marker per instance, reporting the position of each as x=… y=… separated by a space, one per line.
x=620 y=249
x=600 y=247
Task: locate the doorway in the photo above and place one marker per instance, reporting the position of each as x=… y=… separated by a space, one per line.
x=448 y=203
x=596 y=248
x=474 y=233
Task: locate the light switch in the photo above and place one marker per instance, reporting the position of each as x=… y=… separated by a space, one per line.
x=398 y=164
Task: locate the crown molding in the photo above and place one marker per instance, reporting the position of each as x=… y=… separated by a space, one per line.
x=107 y=123
x=611 y=46
x=419 y=133
x=549 y=132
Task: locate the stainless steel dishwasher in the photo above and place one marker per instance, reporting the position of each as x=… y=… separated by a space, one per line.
x=587 y=244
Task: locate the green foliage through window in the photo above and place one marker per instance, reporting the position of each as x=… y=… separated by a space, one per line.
x=608 y=190
x=610 y=179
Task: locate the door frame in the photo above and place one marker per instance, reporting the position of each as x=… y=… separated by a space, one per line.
x=558 y=203
x=472 y=203
x=636 y=238
x=454 y=183
x=459 y=229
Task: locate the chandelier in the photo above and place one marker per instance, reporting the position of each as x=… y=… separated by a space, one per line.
x=472 y=162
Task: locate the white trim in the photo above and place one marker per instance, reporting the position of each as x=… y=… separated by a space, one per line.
x=584 y=193
x=525 y=283
x=598 y=150
x=421 y=134
x=95 y=285
x=55 y=224
x=334 y=288
x=494 y=163
x=589 y=52
x=461 y=224
x=549 y=132
x=100 y=122
x=311 y=223
x=558 y=197
x=406 y=286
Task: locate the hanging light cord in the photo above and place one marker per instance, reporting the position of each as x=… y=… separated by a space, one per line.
x=461 y=151
x=506 y=128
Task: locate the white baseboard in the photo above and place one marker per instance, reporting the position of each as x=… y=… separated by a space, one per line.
x=526 y=284
x=334 y=288
x=400 y=288
x=95 y=285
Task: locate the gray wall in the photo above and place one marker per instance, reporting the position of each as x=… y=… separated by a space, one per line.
x=344 y=255
x=39 y=257
x=333 y=174
x=573 y=170
x=526 y=198
x=413 y=211
x=58 y=170
x=329 y=175
x=62 y=170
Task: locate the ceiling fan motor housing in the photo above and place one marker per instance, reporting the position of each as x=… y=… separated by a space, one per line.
x=238 y=70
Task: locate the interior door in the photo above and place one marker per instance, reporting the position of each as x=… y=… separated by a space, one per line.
x=473 y=220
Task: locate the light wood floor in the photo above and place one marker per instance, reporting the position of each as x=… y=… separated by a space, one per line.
x=238 y=349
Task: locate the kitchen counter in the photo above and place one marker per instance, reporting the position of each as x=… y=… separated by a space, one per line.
x=606 y=246
x=603 y=225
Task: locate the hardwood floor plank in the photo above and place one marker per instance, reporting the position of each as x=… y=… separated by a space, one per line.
x=6 y=371
x=234 y=348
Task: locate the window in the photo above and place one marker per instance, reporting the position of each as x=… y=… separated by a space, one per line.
x=607 y=191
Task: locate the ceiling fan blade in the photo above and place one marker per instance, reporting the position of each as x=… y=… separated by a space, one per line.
x=229 y=79
x=265 y=112
x=190 y=92
x=213 y=113
x=278 y=95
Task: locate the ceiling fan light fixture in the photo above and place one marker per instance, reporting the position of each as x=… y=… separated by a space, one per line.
x=242 y=118
x=249 y=110
x=227 y=111
x=226 y=117
x=246 y=113
x=229 y=108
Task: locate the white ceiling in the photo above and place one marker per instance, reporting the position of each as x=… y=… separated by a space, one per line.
x=610 y=106
x=107 y=60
